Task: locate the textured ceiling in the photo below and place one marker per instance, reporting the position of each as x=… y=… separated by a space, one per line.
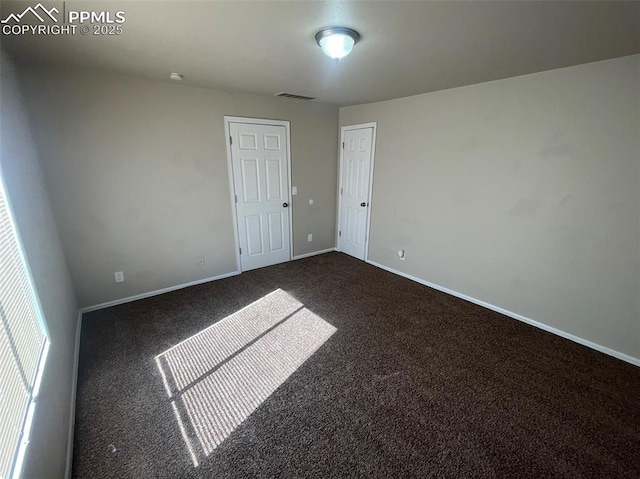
x=406 y=48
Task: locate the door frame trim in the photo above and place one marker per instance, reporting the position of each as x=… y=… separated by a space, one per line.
x=234 y=214
x=343 y=130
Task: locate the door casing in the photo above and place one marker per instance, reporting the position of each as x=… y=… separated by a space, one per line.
x=227 y=132
x=344 y=129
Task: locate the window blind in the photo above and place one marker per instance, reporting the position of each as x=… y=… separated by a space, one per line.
x=23 y=345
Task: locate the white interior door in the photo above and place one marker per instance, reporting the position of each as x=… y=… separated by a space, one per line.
x=355 y=171
x=260 y=165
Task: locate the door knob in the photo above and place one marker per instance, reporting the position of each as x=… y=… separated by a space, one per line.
x=363 y=204
x=285 y=204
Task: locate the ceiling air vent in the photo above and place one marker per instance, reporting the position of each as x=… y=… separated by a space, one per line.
x=291 y=95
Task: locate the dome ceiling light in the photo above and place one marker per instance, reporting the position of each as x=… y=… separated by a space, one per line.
x=337 y=42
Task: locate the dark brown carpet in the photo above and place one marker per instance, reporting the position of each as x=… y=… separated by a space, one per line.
x=414 y=383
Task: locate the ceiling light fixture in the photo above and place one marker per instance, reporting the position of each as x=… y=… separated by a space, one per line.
x=175 y=76
x=337 y=42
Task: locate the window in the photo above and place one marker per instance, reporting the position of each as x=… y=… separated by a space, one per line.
x=23 y=346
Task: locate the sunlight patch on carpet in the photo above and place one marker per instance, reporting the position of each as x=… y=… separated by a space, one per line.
x=216 y=378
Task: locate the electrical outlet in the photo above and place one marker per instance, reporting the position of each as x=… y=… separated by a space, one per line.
x=200 y=260
x=119 y=275
x=309 y=237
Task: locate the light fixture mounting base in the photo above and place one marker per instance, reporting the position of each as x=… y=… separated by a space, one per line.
x=325 y=32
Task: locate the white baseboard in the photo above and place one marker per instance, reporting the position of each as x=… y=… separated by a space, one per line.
x=314 y=253
x=136 y=297
x=74 y=388
x=603 y=349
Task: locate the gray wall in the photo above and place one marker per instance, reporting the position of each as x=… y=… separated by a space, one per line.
x=137 y=173
x=47 y=452
x=523 y=193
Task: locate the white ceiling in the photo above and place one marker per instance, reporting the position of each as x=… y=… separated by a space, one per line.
x=406 y=47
